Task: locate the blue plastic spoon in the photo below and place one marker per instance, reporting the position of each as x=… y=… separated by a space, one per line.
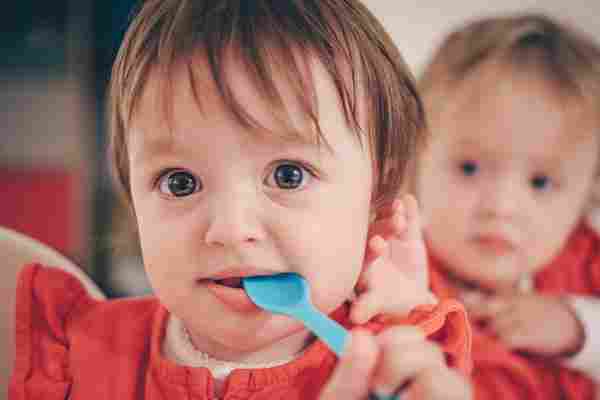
x=289 y=294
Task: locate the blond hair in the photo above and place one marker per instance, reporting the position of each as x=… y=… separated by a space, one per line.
x=530 y=43
x=343 y=35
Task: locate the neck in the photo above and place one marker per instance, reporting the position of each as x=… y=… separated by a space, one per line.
x=267 y=352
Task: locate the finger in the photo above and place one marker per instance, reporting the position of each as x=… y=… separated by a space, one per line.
x=404 y=353
x=473 y=300
x=512 y=330
x=413 y=218
x=506 y=326
x=350 y=379
x=443 y=383
x=389 y=228
x=519 y=339
x=492 y=307
x=408 y=249
x=376 y=247
x=367 y=305
x=411 y=363
x=387 y=210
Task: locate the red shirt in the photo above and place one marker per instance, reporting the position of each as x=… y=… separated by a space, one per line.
x=70 y=345
x=500 y=373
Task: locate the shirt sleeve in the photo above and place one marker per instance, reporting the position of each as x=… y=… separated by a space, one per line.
x=447 y=324
x=586 y=360
x=45 y=297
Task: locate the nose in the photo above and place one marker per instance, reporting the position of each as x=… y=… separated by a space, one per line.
x=235 y=220
x=503 y=198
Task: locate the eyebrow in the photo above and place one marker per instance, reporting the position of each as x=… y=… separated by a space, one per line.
x=282 y=139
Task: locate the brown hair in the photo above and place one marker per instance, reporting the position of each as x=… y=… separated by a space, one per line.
x=530 y=43
x=343 y=35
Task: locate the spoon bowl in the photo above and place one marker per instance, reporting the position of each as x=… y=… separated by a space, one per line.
x=289 y=294
x=277 y=293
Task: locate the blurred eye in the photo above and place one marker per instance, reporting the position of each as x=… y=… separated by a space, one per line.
x=541 y=182
x=289 y=176
x=178 y=183
x=469 y=168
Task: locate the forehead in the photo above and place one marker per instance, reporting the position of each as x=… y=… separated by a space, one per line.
x=171 y=103
x=517 y=114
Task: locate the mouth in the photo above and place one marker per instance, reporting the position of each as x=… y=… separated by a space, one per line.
x=495 y=243
x=232 y=277
x=234 y=283
x=228 y=289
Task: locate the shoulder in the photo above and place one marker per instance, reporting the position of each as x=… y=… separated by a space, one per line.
x=55 y=316
x=60 y=297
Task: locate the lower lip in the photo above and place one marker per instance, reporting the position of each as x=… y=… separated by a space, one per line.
x=234 y=298
x=495 y=245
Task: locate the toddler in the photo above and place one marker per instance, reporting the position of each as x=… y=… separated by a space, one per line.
x=513 y=107
x=250 y=138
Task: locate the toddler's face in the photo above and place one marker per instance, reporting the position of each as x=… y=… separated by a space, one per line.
x=215 y=202
x=506 y=177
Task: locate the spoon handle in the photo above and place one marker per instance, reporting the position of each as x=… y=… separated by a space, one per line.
x=326 y=329
x=332 y=333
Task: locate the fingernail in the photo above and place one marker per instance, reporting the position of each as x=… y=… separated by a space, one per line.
x=382 y=392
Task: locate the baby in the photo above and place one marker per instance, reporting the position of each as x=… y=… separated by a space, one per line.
x=251 y=138
x=513 y=107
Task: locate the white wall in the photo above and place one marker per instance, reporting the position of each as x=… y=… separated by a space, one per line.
x=418 y=26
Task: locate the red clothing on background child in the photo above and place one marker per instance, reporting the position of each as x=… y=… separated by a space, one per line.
x=500 y=373
x=72 y=346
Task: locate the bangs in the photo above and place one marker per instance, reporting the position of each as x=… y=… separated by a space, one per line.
x=273 y=48
x=275 y=42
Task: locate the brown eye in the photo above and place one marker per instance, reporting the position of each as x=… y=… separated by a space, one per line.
x=179 y=183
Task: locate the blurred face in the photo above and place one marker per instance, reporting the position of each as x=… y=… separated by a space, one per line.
x=215 y=202
x=506 y=177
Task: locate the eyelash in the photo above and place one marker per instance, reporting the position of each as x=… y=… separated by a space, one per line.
x=305 y=167
x=300 y=164
x=548 y=182
x=469 y=163
x=170 y=172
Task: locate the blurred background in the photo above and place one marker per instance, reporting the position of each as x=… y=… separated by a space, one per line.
x=55 y=60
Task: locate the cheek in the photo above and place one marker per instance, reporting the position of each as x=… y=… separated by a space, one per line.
x=328 y=248
x=165 y=243
x=445 y=201
x=555 y=225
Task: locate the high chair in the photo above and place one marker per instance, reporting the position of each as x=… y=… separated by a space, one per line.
x=16 y=250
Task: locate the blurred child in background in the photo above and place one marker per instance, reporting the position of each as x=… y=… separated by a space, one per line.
x=513 y=106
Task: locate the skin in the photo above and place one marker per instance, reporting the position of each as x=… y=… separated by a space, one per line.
x=516 y=161
x=240 y=217
x=234 y=213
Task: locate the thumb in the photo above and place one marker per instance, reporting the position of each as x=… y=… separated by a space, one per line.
x=350 y=379
x=365 y=307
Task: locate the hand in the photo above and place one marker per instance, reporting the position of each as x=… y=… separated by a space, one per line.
x=397 y=232
x=384 y=287
x=398 y=358
x=541 y=325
